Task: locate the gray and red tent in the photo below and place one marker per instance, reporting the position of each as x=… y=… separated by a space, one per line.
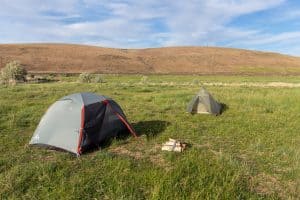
x=80 y=122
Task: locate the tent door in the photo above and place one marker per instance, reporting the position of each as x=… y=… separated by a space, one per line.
x=201 y=108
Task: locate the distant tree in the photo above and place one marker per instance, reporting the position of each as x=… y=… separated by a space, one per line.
x=196 y=82
x=99 y=79
x=12 y=73
x=144 y=79
x=85 y=78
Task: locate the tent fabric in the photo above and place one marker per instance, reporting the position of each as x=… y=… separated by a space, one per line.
x=204 y=103
x=80 y=122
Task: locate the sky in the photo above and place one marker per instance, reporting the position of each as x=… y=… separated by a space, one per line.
x=265 y=25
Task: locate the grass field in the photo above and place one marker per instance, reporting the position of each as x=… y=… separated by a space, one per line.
x=251 y=151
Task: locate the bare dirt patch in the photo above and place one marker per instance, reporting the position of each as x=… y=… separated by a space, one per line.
x=237 y=84
x=152 y=154
x=253 y=84
x=265 y=184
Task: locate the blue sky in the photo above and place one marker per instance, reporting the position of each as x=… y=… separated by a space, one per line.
x=267 y=25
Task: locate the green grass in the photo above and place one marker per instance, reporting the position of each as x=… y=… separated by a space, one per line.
x=251 y=151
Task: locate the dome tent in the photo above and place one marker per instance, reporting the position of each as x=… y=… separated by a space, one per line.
x=204 y=103
x=79 y=122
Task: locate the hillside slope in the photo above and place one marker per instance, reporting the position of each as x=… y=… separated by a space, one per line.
x=66 y=58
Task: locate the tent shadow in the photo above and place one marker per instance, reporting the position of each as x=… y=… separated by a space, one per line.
x=224 y=107
x=150 y=128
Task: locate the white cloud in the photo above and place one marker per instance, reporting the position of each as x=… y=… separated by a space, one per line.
x=34 y=8
x=290 y=14
x=285 y=37
x=204 y=22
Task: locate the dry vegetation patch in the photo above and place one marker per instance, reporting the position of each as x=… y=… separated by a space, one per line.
x=150 y=153
x=267 y=185
x=64 y=58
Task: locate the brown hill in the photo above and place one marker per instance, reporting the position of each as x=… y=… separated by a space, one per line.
x=64 y=58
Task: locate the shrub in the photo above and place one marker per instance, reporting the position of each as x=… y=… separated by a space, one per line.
x=98 y=79
x=12 y=73
x=65 y=74
x=144 y=79
x=196 y=82
x=85 y=78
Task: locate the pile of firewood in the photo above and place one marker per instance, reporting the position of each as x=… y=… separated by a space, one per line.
x=173 y=145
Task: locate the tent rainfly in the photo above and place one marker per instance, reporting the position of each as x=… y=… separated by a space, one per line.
x=80 y=122
x=204 y=103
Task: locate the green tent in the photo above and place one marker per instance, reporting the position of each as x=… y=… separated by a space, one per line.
x=204 y=103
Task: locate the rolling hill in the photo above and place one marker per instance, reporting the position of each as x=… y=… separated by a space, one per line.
x=67 y=58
